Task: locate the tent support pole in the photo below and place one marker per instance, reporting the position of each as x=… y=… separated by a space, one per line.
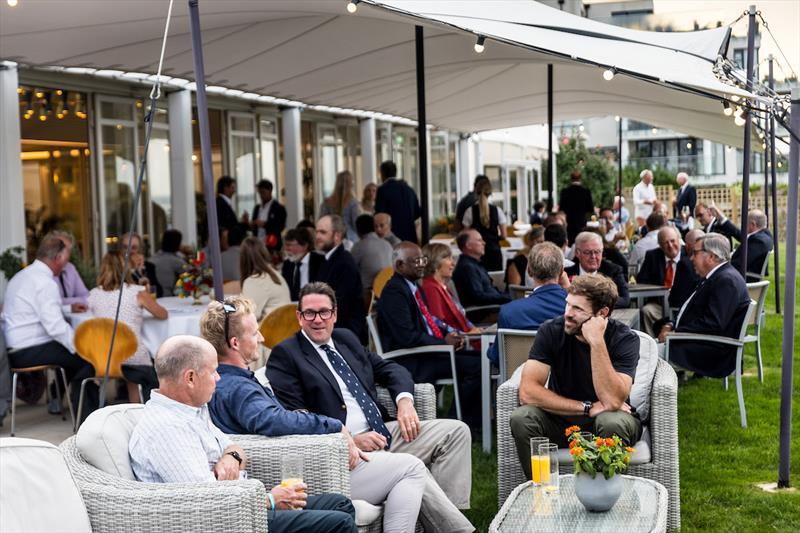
x=422 y=134
x=619 y=169
x=205 y=149
x=550 y=166
x=789 y=297
x=748 y=125
x=776 y=255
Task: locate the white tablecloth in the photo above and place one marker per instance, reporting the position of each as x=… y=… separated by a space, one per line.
x=184 y=319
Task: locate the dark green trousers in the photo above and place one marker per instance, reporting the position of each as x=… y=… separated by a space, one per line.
x=528 y=421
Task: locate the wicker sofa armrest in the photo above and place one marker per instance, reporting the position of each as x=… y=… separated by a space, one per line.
x=119 y=505
x=424 y=401
x=325 y=467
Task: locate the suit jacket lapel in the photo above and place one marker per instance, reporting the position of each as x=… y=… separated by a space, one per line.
x=317 y=362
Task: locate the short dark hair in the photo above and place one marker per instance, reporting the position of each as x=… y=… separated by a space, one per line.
x=555 y=233
x=478 y=179
x=316 y=287
x=388 y=169
x=599 y=290
x=299 y=235
x=365 y=224
x=655 y=221
x=537 y=206
x=462 y=239
x=265 y=184
x=171 y=240
x=223 y=183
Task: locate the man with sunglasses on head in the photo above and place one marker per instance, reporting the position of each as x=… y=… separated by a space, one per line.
x=328 y=372
x=242 y=405
x=579 y=372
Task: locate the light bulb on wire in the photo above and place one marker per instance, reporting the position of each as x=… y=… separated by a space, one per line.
x=609 y=73
x=479 y=44
x=352 y=6
x=727 y=110
x=12 y=3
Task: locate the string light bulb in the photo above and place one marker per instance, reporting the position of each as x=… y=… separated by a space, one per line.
x=740 y=119
x=479 y=44
x=12 y=3
x=608 y=74
x=352 y=6
x=617 y=118
x=727 y=110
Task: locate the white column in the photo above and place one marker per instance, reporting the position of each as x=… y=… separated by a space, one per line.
x=12 y=200
x=708 y=168
x=466 y=171
x=369 y=159
x=292 y=158
x=184 y=211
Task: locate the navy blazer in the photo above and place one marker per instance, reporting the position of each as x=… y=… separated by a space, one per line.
x=688 y=198
x=609 y=270
x=400 y=321
x=399 y=200
x=759 y=245
x=726 y=228
x=275 y=223
x=684 y=280
x=302 y=380
x=341 y=273
x=546 y=302
x=717 y=308
x=315 y=260
x=226 y=216
x=474 y=285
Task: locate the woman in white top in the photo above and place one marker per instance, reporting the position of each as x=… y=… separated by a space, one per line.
x=343 y=202
x=138 y=369
x=260 y=282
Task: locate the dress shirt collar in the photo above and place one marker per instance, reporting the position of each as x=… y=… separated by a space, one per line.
x=318 y=347
x=329 y=254
x=582 y=272
x=411 y=286
x=159 y=400
x=230 y=202
x=711 y=273
x=306 y=258
x=234 y=370
x=266 y=205
x=676 y=259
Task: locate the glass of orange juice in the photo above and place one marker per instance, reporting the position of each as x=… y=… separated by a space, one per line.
x=291 y=470
x=536 y=459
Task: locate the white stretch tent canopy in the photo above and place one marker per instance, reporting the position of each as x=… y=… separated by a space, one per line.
x=314 y=52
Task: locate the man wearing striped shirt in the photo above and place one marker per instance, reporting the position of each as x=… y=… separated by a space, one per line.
x=176 y=442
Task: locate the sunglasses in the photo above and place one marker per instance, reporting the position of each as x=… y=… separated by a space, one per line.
x=228 y=309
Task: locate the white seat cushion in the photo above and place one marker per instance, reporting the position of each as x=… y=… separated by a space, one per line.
x=103 y=438
x=37 y=488
x=645 y=371
x=366 y=513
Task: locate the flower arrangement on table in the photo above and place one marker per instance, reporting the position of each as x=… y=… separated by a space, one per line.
x=444 y=224
x=594 y=455
x=195 y=280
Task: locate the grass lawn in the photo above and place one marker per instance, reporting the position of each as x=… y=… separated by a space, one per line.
x=720 y=462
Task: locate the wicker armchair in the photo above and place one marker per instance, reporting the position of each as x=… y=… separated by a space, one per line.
x=663 y=428
x=116 y=505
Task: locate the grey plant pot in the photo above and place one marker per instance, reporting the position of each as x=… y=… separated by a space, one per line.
x=599 y=494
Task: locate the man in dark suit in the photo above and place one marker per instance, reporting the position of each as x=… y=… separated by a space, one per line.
x=669 y=266
x=759 y=245
x=715 y=222
x=404 y=321
x=576 y=201
x=301 y=264
x=716 y=307
x=340 y=271
x=327 y=371
x=269 y=218
x=687 y=196
x=548 y=299
x=473 y=283
x=589 y=253
x=226 y=216
x=399 y=200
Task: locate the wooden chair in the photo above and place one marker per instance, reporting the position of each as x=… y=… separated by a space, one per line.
x=381 y=278
x=758 y=293
x=231 y=287
x=279 y=325
x=92 y=339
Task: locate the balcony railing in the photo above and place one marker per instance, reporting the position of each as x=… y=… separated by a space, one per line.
x=692 y=164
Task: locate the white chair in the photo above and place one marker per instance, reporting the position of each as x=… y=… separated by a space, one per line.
x=763 y=273
x=444 y=349
x=739 y=343
x=758 y=293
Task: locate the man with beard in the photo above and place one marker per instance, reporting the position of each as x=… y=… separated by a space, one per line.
x=301 y=265
x=590 y=361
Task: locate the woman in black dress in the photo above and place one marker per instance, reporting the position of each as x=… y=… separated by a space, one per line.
x=490 y=222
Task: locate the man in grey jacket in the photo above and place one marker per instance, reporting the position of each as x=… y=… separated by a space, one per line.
x=372 y=254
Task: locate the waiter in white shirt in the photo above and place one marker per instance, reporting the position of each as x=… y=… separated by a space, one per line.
x=644 y=197
x=33 y=320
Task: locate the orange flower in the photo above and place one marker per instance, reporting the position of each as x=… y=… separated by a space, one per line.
x=599 y=441
x=573 y=443
x=570 y=430
x=625 y=460
x=629 y=449
x=609 y=442
x=577 y=450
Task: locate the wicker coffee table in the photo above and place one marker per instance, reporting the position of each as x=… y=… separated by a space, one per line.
x=641 y=508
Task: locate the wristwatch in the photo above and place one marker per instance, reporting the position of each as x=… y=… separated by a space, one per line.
x=236 y=456
x=587 y=406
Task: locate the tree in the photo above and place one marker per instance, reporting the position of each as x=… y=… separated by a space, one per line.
x=661 y=176
x=598 y=174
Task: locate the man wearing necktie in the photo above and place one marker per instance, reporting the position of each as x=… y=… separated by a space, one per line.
x=328 y=372
x=300 y=265
x=670 y=266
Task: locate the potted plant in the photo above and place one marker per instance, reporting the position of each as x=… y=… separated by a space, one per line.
x=597 y=462
x=195 y=281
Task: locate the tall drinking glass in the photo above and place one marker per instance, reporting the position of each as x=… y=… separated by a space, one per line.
x=536 y=442
x=548 y=464
x=291 y=470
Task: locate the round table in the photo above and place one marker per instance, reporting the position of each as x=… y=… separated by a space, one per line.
x=183 y=319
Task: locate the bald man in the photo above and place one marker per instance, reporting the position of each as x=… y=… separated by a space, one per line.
x=176 y=442
x=383 y=228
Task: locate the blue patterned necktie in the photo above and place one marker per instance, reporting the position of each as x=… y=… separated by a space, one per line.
x=371 y=412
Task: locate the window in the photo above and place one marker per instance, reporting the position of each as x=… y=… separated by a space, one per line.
x=243 y=159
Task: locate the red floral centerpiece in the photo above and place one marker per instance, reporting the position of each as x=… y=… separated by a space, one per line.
x=195 y=280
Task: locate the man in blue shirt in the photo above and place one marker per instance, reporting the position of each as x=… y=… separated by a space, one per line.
x=548 y=299
x=242 y=405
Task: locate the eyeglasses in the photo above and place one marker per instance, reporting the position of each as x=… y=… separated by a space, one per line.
x=310 y=315
x=590 y=252
x=418 y=261
x=228 y=309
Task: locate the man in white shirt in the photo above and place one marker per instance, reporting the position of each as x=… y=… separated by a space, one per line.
x=644 y=196
x=655 y=221
x=33 y=320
